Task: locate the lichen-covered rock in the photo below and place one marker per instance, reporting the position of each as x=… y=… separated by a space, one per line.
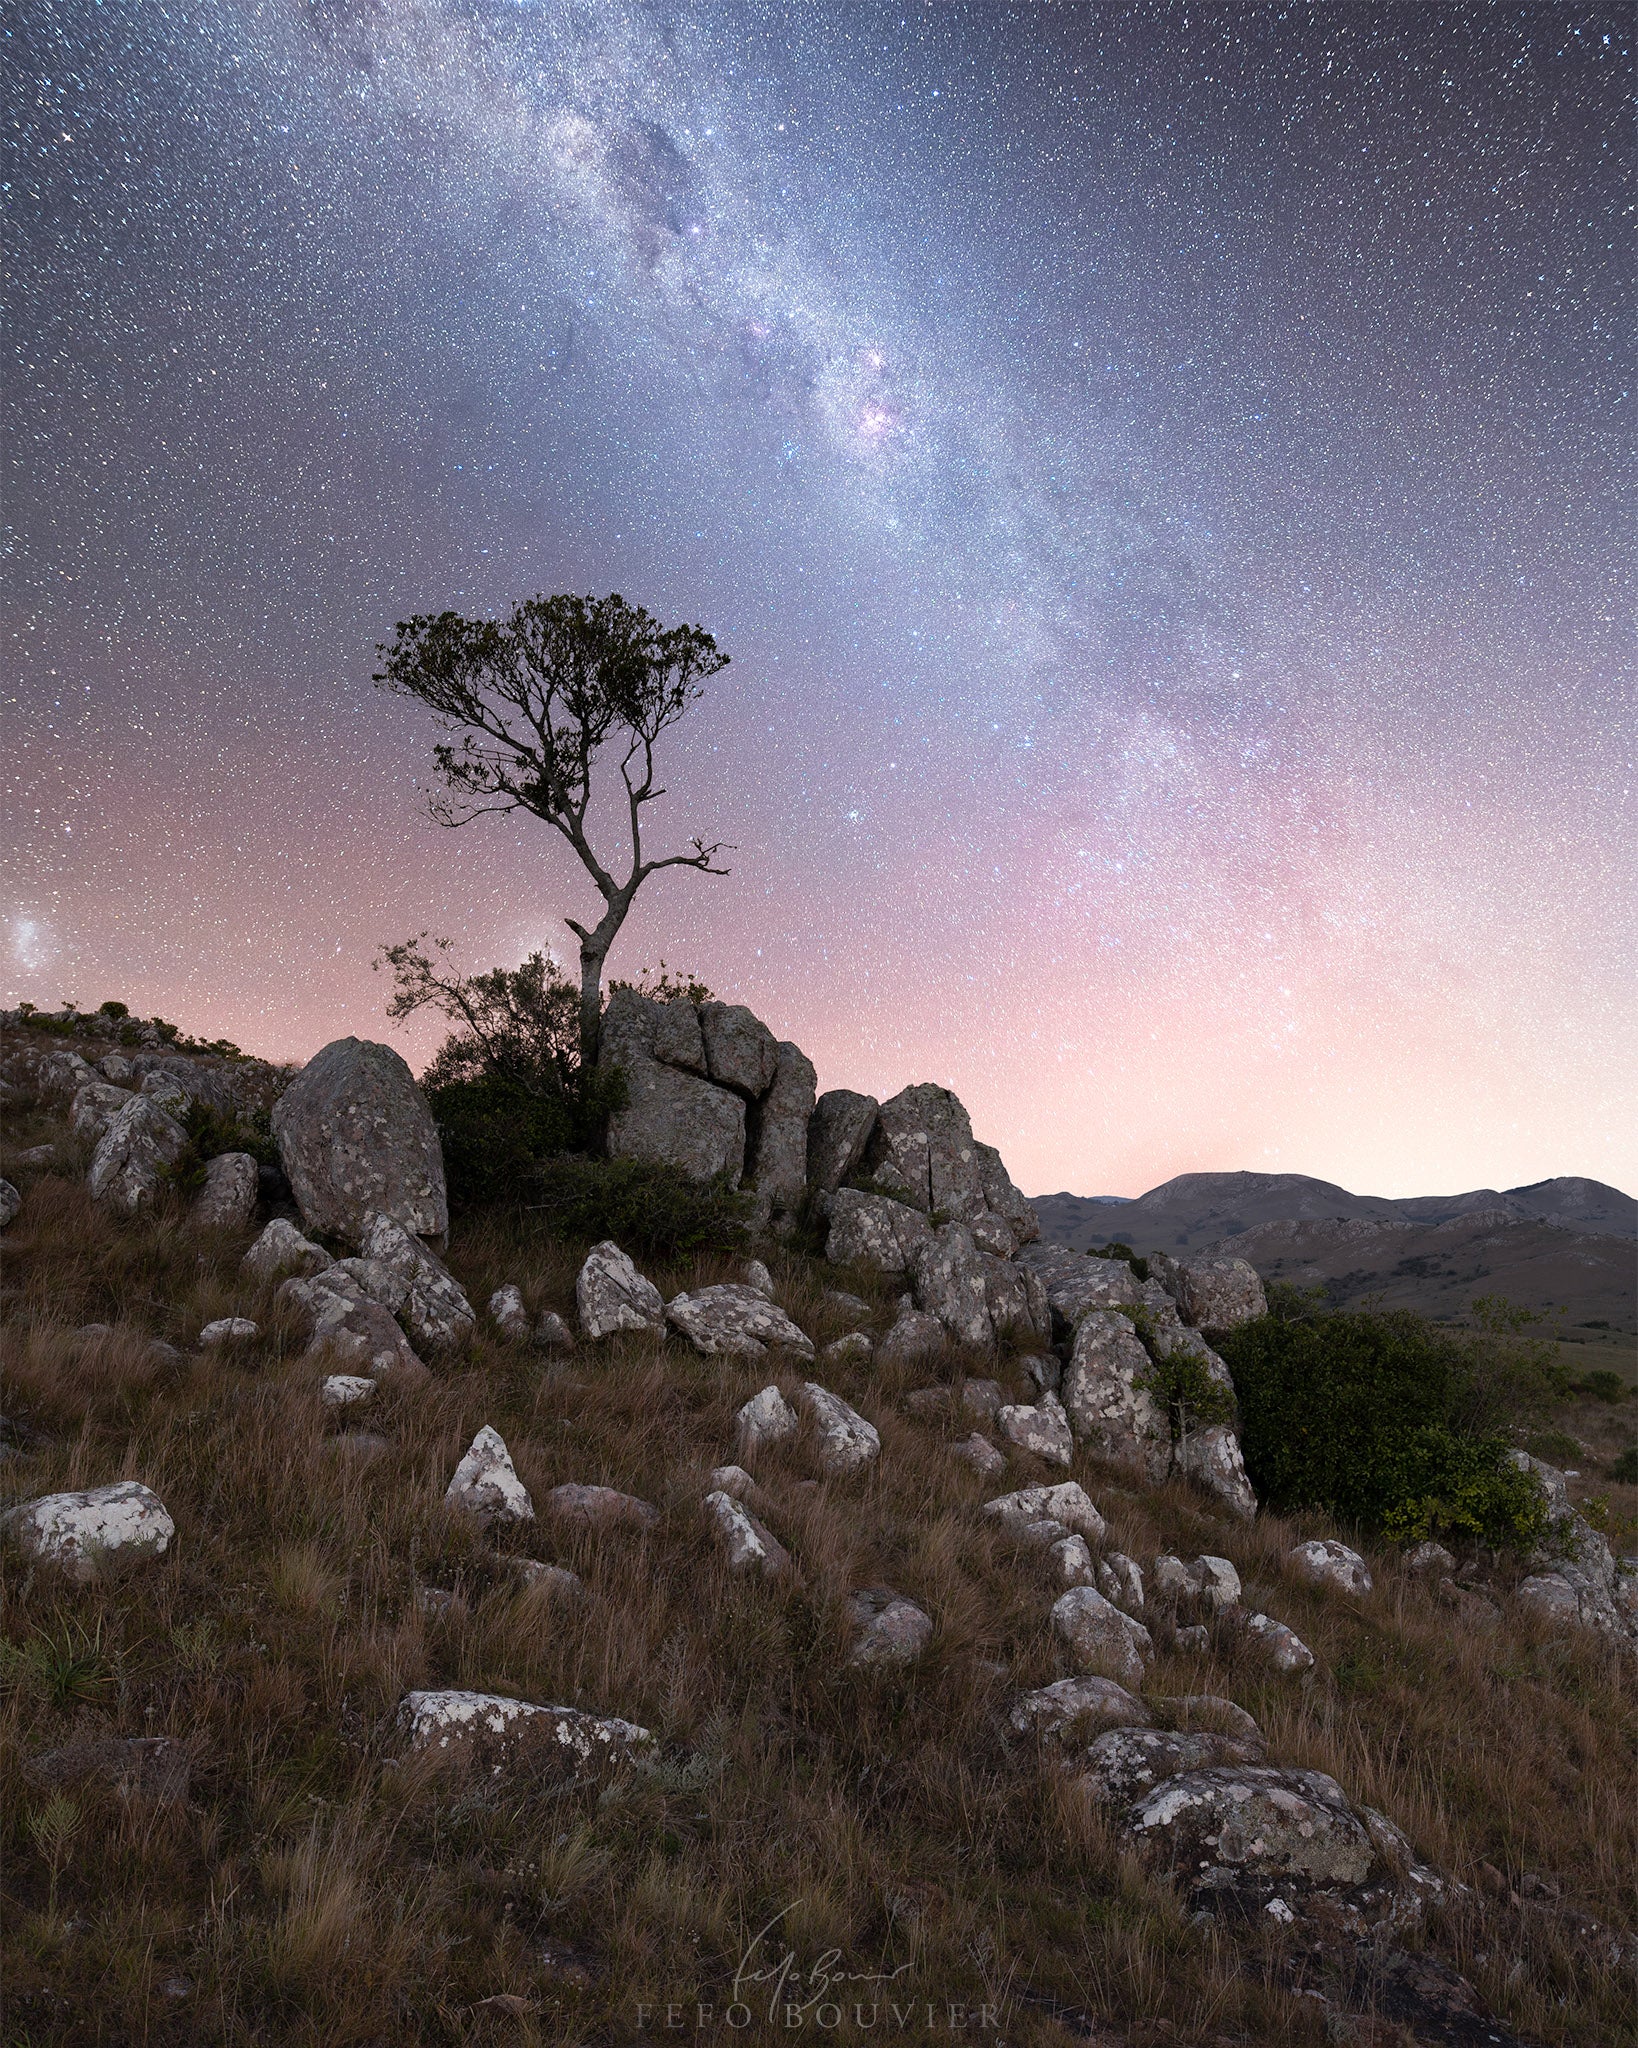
x=1100 y=1637
x=740 y=1051
x=874 y=1231
x=62 y=1073
x=1209 y=1582
x=10 y=1203
x=1016 y=1298
x=1208 y=1710
x=947 y=1272
x=767 y=1418
x=1552 y=1595
x=1070 y=1562
x=913 y=1339
x=281 y=1248
x=486 y=1728
x=486 y=1485
x=345 y=1328
x=1579 y=1557
x=1076 y=1285
x=981 y=1454
x=227 y=1201
x=601 y=1507
x=1120 y=1579
x=778 y=1163
x=1285 y=1650
x=611 y=1295
x=1212 y=1458
x=434 y=1306
x=1108 y=1397
x=508 y=1314
x=758 y=1276
x=167 y=1091
x=838 y=1133
x=1044 y=1514
x=733 y=1480
x=1042 y=1430
x=80 y=1531
x=853 y=1349
x=95 y=1107
x=552 y=1333
x=846 y=1440
x=345 y=1389
x=735 y=1321
x=227 y=1330
x=672 y=1114
x=747 y=1545
x=356 y=1139
x=1212 y=1293
x=1077 y=1709
x=1125 y=1762
x=1325 y=1562
x=891 y=1629
x=129 y=1163
x=1004 y=1201
x=922 y=1152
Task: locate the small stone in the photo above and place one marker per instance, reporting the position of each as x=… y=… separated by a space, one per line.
x=914 y=1339
x=981 y=1454
x=758 y=1276
x=1207 y=1710
x=227 y=1330
x=1100 y=1637
x=1120 y=1579
x=493 y=1728
x=1430 y=1557
x=892 y=1629
x=1286 y=1651
x=747 y=1544
x=1192 y=1641
x=552 y=1333
x=853 y=1349
x=982 y=1398
x=1071 y=1561
x=1077 y=1707
x=611 y=1296
x=1066 y=1504
x=928 y=1404
x=845 y=1307
x=846 y=1440
x=601 y=1507
x=551 y=1581
x=343 y=1389
x=486 y=1485
x=281 y=1248
x=1215 y=1583
x=1212 y=1458
x=1325 y=1562
x=767 y=1418
x=508 y=1314
x=735 y=1481
x=1043 y=1430
x=79 y=1531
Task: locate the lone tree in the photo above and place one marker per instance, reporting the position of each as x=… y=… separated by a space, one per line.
x=534 y=699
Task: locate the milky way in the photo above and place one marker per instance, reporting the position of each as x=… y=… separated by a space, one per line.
x=1157 y=472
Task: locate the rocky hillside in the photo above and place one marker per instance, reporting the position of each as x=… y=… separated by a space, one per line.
x=419 y=1627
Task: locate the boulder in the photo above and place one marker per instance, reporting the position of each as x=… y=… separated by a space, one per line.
x=740 y=1051
x=846 y=1440
x=948 y=1276
x=853 y=1349
x=167 y=1091
x=767 y=1418
x=673 y=1115
x=1580 y=1557
x=891 y=1629
x=1015 y=1298
x=1043 y=1430
x=1285 y=1650
x=1212 y=1294
x=778 y=1159
x=1126 y=1762
x=982 y=1398
x=227 y=1201
x=227 y=1330
x=1107 y=1395
x=1212 y=1458
x=281 y=1248
x=95 y=1107
x=510 y=1317
x=486 y=1485
x=611 y=1295
x=838 y=1133
x=922 y=1152
x=1120 y=1579
x=345 y=1390
x=981 y=1454
x=871 y=1230
x=735 y=1321
x=344 y=1327
x=1070 y=1562
x=1077 y=1708
x=10 y=1202
x=1044 y=1514
x=913 y=1339
x=129 y=1163
x=1003 y=1200
x=1430 y=1557
x=80 y=1531
x=1325 y=1562
x=1100 y=1637
x=116 y=1067
x=1076 y=1284
x=434 y=1307
x=356 y=1140
x=486 y=1728
x=62 y=1073
x=845 y=1308
x=746 y=1543
x=601 y=1507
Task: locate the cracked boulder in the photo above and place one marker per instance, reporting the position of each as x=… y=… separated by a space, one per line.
x=874 y=1231
x=673 y=1114
x=746 y=1543
x=1212 y=1293
x=128 y=1166
x=846 y=1440
x=356 y=1139
x=227 y=1201
x=1107 y=1395
x=611 y=1295
x=1042 y=1430
x=838 y=1132
x=433 y=1304
x=345 y=1328
x=778 y=1165
x=947 y=1271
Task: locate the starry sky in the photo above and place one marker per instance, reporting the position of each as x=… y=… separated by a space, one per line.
x=1157 y=470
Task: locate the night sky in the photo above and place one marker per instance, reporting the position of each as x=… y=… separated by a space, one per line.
x=1157 y=471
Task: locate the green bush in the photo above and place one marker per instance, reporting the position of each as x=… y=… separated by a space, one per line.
x=211 y=1132
x=1120 y=1250
x=643 y=1206
x=1625 y=1468
x=1602 y=1385
x=1382 y=1419
x=497 y=1131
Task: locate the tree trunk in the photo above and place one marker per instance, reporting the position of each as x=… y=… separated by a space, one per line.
x=594 y=950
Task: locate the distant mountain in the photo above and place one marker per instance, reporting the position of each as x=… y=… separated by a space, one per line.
x=1200 y=1208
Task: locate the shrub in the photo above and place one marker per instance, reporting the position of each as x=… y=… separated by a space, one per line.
x=1382 y=1419
x=496 y=1131
x=1602 y=1385
x=211 y=1132
x=642 y=1205
x=1625 y=1469
x=1139 y=1266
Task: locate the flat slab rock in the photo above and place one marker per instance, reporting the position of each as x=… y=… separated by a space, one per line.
x=601 y=1507
x=611 y=1295
x=80 y=1531
x=485 y=1727
x=734 y=1320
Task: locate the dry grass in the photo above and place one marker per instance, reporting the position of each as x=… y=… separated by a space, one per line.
x=315 y=1889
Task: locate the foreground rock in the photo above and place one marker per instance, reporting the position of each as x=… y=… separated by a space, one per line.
x=346 y=1328
x=1325 y=1562
x=432 y=1304
x=1578 y=1579
x=1126 y=1762
x=79 y=1532
x=486 y=1729
x=846 y=1440
x=486 y=1485
x=746 y=1543
x=1212 y=1293
x=227 y=1201
x=356 y=1139
x=611 y=1295
x=128 y=1166
x=1043 y=1430
x=673 y=1115
x=735 y=1321
x=1212 y=1458
x=1100 y=1637
x=891 y=1629
x=1077 y=1708
x=767 y=1418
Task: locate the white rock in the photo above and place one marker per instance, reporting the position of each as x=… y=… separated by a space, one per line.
x=732 y=1321
x=748 y=1546
x=981 y=1454
x=1286 y=1651
x=79 y=1530
x=451 y=1721
x=1212 y=1458
x=508 y=1314
x=846 y=1440
x=1066 y=1504
x=913 y=1339
x=1086 y=1704
x=1120 y=1579
x=767 y=1418
x=758 y=1276
x=486 y=1485
x=1100 y=1637
x=1214 y=1582
x=892 y=1629
x=611 y=1295
x=342 y=1389
x=435 y=1310
x=344 y=1327
x=132 y=1154
x=95 y=1107
x=281 y=1248
x=1325 y=1562
x=387 y=1286
x=1042 y=1430
x=1430 y=1557
x=853 y=1349
x=1071 y=1561
x=734 y=1480
x=228 y=1330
